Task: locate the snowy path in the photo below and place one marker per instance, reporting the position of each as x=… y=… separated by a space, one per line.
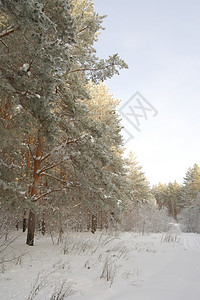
x=174 y=277
x=191 y=241
x=167 y=271
x=143 y=267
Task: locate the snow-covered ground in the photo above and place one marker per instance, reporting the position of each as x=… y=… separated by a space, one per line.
x=104 y=266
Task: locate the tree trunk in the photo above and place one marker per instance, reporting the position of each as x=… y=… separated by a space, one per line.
x=88 y=220
x=34 y=191
x=43 y=229
x=24 y=226
x=28 y=167
x=94 y=223
x=172 y=208
x=31 y=228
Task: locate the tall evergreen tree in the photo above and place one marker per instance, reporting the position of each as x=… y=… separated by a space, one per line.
x=140 y=186
x=169 y=196
x=190 y=204
x=160 y=193
x=48 y=57
x=191 y=185
x=102 y=108
x=174 y=199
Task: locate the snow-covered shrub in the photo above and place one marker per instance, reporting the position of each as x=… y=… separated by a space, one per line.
x=145 y=218
x=8 y=222
x=189 y=217
x=63 y=217
x=44 y=281
x=62 y=291
x=109 y=270
x=73 y=243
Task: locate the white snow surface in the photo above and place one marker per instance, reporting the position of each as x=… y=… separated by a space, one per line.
x=103 y=266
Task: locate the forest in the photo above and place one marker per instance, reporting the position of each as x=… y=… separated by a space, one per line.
x=62 y=163
x=78 y=217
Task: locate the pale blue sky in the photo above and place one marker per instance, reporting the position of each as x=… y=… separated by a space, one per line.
x=160 y=41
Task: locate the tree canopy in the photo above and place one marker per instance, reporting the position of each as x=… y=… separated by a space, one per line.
x=48 y=58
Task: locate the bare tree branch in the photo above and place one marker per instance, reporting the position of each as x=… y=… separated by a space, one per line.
x=51 y=167
x=8 y=31
x=87 y=69
x=47 y=193
x=69 y=184
x=66 y=143
x=45 y=157
x=31 y=152
x=81 y=30
x=5 y=46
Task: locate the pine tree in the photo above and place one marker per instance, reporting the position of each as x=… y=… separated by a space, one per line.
x=168 y=196
x=174 y=199
x=191 y=185
x=190 y=196
x=102 y=108
x=160 y=193
x=48 y=58
x=140 y=186
x=189 y=217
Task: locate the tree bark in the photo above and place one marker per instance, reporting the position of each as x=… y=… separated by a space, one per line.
x=43 y=229
x=24 y=225
x=34 y=191
x=31 y=228
x=28 y=167
x=94 y=223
